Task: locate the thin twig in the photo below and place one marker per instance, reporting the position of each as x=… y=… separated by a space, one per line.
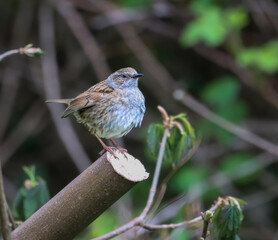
x=13 y=70
x=205 y=230
x=5 y=228
x=162 y=189
x=52 y=90
x=27 y=50
x=218 y=180
x=139 y=220
x=189 y=224
x=156 y=174
x=206 y=221
x=8 y=53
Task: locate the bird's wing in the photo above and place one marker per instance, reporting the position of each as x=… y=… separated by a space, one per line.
x=88 y=98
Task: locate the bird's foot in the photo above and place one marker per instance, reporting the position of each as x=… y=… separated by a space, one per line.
x=108 y=149
x=111 y=150
x=122 y=151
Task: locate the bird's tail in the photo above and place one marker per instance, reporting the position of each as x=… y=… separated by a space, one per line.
x=65 y=101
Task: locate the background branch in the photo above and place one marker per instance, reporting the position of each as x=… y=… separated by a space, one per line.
x=86 y=39
x=52 y=91
x=244 y=134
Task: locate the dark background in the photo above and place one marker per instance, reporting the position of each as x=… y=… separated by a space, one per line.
x=223 y=53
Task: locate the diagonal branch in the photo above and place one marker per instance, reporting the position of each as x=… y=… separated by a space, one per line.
x=83 y=199
x=243 y=133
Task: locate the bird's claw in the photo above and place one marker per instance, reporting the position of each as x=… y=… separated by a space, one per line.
x=111 y=150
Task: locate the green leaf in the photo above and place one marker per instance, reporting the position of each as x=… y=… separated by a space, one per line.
x=30 y=204
x=234 y=164
x=222 y=95
x=177 y=144
x=236 y=18
x=36 y=197
x=240 y=201
x=187 y=178
x=18 y=204
x=207 y=27
x=31 y=173
x=154 y=137
x=221 y=91
x=264 y=58
x=226 y=222
x=212 y=24
x=201 y=6
x=235 y=112
x=105 y=223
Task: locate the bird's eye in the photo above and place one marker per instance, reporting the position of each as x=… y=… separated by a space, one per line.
x=124 y=76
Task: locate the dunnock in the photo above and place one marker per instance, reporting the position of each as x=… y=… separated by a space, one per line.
x=111 y=108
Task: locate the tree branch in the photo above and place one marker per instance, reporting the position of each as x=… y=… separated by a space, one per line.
x=83 y=200
x=27 y=50
x=194 y=223
x=4 y=209
x=243 y=133
x=8 y=53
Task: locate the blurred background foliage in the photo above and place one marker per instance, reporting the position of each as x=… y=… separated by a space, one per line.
x=223 y=53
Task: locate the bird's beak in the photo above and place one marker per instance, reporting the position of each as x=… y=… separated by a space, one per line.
x=137 y=75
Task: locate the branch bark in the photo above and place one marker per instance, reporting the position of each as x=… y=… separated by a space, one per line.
x=3 y=209
x=82 y=200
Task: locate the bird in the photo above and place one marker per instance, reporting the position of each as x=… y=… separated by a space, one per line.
x=110 y=108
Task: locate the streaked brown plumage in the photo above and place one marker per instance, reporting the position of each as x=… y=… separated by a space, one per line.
x=111 y=108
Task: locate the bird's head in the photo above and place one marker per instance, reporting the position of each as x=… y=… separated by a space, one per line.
x=124 y=78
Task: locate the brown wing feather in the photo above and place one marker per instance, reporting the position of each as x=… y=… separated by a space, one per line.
x=87 y=98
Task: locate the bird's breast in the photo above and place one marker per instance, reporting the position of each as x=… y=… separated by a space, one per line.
x=115 y=117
